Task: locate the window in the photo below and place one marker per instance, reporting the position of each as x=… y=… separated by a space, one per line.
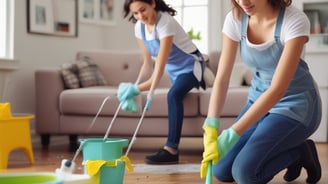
x=2 y=27
x=5 y=27
x=193 y=15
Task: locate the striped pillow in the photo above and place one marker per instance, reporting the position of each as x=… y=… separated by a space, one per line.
x=82 y=73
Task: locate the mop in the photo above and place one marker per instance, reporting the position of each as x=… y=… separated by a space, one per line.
x=68 y=166
x=93 y=167
x=125 y=156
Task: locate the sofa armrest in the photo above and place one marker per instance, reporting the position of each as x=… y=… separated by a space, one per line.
x=48 y=86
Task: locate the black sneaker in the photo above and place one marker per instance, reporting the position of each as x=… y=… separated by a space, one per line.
x=309 y=160
x=162 y=157
x=293 y=171
x=312 y=166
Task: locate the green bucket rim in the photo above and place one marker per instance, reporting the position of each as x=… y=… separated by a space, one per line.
x=30 y=178
x=104 y=140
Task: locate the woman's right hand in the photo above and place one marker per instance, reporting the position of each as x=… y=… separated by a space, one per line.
x=127 y=91
x=211 y=152
x=130 y=105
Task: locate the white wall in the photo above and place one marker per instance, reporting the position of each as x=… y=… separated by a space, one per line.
x=35 y=51
x=217 y=13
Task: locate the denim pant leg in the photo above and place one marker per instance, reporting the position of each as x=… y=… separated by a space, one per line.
x=265 y=149
x=270 y=149
x=183 y=84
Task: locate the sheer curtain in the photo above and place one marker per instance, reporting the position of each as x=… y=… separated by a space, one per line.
x=6 y=23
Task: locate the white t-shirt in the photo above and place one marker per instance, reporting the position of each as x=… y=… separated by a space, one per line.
x=168 y=26
x=295 y=24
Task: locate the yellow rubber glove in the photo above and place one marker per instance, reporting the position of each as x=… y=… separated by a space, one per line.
x=211 y=152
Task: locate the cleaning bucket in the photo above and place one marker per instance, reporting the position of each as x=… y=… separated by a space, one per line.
x=107 y=152
x=103 y=157
x=112 y=174
x=30 y=178
x=103 y=149
x=105 y=172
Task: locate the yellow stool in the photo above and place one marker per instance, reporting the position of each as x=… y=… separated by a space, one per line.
x=14 y=134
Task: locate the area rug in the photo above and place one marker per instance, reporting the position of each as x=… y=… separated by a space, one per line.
x=166 y=169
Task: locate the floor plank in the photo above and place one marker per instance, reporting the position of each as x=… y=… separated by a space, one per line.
x=49 y=160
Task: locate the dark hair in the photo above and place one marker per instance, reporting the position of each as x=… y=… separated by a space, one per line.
x=160 y=6
x=274 y=3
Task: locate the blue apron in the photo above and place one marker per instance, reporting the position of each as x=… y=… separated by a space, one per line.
x=178 y=61
x=297 y=101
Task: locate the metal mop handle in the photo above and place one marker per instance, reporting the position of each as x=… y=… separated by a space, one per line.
x=99 y=110
x=136 y=131
x=112 y=122
x=77 y=152
x=115 y=115
x=138 y=126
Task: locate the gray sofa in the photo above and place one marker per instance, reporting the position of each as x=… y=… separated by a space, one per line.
x=61 y=111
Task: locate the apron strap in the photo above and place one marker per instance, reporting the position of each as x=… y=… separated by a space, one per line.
x=279 y=24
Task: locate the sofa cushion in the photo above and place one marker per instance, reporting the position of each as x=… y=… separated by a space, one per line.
x=241 y=74
x=159 y=107
x=248 y=76
x=209 y=77
x=235 y=101
x=238 y=73
x=86 y=101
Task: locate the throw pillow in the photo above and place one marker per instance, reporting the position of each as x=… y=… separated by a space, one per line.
x=237 y=74
x=99 y=76
x=89 y=73
x=209 y=77
x=248 y=76
x=68 y=72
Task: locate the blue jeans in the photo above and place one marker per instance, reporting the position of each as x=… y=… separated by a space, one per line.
x=182 y=85
x=268 y=147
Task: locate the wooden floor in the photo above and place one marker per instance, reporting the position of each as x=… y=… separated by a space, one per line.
x=49 y=160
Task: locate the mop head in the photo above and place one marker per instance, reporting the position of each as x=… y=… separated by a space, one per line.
x=66 y=173
x=67 y=167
